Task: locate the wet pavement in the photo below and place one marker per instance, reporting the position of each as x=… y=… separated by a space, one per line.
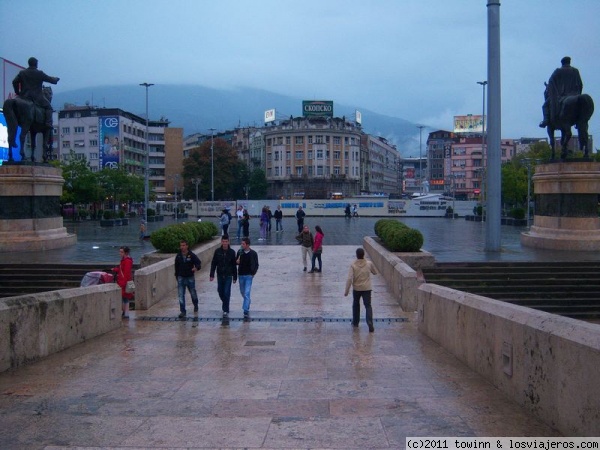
x=448 y=239
x=298 y=375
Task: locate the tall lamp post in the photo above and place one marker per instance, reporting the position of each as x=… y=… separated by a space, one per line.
x=212 y=164
x=420 y=127
x=175 y=179
x=147 y=164
x=197 y=182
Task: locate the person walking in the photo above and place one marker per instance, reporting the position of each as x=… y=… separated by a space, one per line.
x=246 y=224
x=142 y=230
x=223 y=262
x=269 y=218
x=317 y=249
x=224 y=220
x=247 y=262
x=300 y=214
x=240 y=220
x=186 y=265
x=124 y=274
x=264 y=223
x=359 y=277
x=278 y=218
x=306 y=241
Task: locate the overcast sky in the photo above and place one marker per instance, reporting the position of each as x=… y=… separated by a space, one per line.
x=419 y=60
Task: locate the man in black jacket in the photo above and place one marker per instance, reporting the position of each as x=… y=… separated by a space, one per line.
x=186 y=265
x=224 y=263
x=247 y=262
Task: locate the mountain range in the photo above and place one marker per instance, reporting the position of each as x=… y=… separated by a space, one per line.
x=197 y=109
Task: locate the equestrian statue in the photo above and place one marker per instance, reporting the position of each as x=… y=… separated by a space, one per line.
x=565 y=106
x=31 y=110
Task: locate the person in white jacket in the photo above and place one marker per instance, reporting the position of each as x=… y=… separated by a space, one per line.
x=359 y=277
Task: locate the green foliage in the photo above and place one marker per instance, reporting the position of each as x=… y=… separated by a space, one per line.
x=229 y=171
x=397 y=236
x=108 y=214
x=151 y=212
x=258 y=185
x=517 y=213
x=478 y=210
x=167 y=239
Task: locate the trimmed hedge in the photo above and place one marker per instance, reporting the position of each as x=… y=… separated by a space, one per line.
x=166 y=240
x=397 y=236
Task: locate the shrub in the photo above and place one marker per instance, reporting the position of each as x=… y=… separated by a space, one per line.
x=397 y=236
x=517 y=213
x=151 y=212
x=166 y=240
x=108 y=214
x=121 y=214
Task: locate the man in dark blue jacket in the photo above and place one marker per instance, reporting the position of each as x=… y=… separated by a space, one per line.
x=224 y=263
x=186 y=265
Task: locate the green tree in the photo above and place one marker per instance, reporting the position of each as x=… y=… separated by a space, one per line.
x=80 y=182
x=120 y=186
x=258 y=184
x=514 y=184
x=228 y=171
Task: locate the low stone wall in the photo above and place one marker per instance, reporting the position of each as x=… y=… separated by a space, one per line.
x=401 y=278
x=546 y=363
x=153 y=282
x=35 y=326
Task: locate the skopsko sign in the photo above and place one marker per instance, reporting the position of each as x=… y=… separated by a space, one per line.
x=317 y=108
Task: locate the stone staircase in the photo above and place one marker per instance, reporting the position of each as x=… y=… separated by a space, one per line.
x=22 y=279
x=570 y=289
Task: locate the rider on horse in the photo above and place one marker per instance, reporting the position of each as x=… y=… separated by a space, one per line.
x=28 y=85
x=564 y=82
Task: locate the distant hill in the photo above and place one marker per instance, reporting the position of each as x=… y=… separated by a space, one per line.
x=198 y=108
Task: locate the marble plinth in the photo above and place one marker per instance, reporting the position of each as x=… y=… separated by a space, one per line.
x=566 y=212
x=30 y=217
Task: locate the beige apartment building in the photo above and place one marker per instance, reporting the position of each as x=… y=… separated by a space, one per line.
x=312 y=157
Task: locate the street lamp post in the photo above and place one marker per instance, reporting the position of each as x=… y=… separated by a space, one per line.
x=175 y=179
x=197 y=182
x=147 y=164
x=483 y=85
x=420 y=127
x=212 y=165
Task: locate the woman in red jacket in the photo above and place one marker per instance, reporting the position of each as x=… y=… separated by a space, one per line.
x=123 y=276
x=317 y=249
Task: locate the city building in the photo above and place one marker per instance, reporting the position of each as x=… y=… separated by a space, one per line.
x=312 y=157
x=379 y=166
x=111 y=138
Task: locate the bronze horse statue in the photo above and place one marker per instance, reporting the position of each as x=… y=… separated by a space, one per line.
x=568 y=111
x=31 y=118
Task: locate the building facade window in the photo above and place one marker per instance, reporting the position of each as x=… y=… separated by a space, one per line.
x=79 y=130
x=65 y=130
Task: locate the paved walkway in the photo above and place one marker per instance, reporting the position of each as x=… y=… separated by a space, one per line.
x=310 y=381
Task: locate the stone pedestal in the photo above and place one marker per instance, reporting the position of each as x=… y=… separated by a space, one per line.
x=566 y=207
x=30 y=217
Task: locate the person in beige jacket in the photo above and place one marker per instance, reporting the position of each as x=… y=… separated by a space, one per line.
x=359 y=277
